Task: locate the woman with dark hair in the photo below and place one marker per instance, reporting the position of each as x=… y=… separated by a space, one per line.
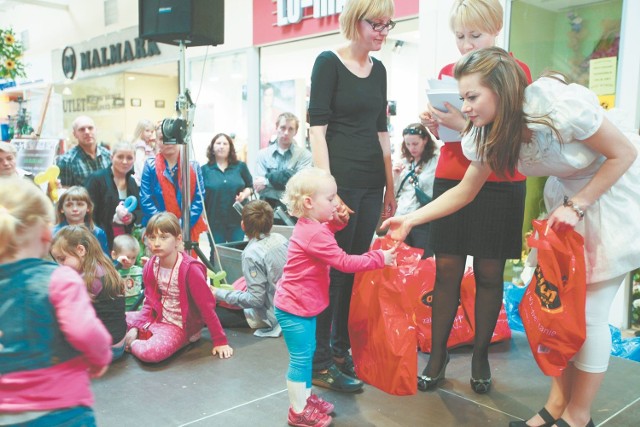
x=413 y=179
x=226 y=181
x=551 y=128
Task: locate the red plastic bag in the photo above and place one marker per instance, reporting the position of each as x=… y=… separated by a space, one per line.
x=553 y=306
x=461 y=331
x=381 y=325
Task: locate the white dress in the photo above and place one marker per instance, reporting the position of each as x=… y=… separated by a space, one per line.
x=611 y=226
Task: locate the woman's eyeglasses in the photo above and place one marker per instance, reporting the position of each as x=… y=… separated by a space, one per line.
x=379 y=26
x=414 y=131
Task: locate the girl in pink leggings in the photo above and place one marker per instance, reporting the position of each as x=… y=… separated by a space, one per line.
x=178 y=302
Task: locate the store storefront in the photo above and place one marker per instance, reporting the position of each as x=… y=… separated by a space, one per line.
x=117 y=79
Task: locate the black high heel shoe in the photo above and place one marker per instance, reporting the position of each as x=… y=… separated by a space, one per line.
x=429 y=383
x=544 y=414
x=480 y=386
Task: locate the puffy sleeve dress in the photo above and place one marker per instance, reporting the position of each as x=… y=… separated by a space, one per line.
x=611 y=226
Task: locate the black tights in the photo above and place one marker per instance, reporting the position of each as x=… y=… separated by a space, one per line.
x=446 y=298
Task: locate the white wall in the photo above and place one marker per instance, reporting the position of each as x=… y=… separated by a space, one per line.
x=48 y=29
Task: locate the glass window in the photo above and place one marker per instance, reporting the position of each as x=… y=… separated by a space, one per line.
x=219 y=90
x=579 y=38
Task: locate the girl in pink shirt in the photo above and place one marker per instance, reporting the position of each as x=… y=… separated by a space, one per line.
x=303 y=290
x=51 y=342
x=178 y=301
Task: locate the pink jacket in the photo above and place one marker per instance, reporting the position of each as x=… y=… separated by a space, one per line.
x=197 y=303
x=65 y=384
x=303 y=289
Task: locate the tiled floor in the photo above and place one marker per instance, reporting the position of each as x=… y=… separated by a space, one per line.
x=249 y=389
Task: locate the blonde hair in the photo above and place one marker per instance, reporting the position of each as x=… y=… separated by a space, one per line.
x=303 y=184
x=142 y=125
x=7 y=147
x=125 y=242
x=498 y=143
x=77 y=194
x=483 y=15
x=357 y=10
x=122 y=146
x=23 y=206
x=67 y=241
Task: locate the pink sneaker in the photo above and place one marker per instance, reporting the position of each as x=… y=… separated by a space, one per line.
x=309 y=417
x=322 y=405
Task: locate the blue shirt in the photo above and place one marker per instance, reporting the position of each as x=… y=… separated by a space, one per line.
x=97 y=231
x=221 y=189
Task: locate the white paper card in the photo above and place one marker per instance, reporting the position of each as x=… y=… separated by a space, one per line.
x=439 y=92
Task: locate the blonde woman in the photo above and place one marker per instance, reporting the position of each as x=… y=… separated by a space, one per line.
x=349 y=138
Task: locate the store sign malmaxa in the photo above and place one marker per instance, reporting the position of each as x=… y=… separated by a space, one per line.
x=104 y=56
x=109 y=53
x=292 y=11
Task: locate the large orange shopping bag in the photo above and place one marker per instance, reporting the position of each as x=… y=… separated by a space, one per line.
x=381 y=325
x=461 y=331
x=553 y=306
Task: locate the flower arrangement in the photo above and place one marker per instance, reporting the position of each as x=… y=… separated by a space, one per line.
x=10 y=55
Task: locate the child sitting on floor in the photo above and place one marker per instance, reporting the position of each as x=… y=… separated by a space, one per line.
x=52 y=341
x=178 y=301
x=262 y=262
x=76 y=247
x=124 y=254
x=303 y=290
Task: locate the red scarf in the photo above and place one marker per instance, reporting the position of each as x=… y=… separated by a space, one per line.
x=171 y=199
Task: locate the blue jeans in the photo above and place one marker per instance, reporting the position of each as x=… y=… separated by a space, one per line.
x=299 y=336
x=78 y=416
x=332 y=334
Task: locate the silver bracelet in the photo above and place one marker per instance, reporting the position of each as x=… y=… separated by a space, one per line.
x=577 y=209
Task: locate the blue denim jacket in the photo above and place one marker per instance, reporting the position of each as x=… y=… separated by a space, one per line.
x=31 y=337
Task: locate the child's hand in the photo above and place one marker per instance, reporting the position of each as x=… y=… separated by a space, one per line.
x=143 y=260
x=223 y=351
x=390 y=255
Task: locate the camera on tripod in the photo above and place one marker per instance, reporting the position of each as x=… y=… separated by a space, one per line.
x=174 y=131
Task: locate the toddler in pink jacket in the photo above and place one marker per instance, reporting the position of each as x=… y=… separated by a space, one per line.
x=303 y=290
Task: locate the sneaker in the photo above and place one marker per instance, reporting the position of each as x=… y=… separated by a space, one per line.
x=335 y=380
x=347 y=367
x=309 y=417
x=322 y=405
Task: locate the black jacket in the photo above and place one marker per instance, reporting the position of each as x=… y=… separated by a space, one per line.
x=104 y=194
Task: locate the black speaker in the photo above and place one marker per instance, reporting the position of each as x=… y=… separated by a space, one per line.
x=196 y=22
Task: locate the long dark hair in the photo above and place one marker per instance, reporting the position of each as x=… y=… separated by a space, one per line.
x=498 y=143
x=211 y=155
x=430 y=147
